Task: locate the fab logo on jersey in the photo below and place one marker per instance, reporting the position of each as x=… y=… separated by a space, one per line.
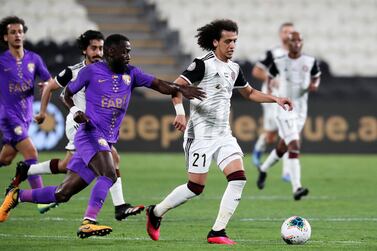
x=48 y=134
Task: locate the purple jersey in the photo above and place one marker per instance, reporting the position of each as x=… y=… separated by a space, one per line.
x=17 y=79
x=108 y=95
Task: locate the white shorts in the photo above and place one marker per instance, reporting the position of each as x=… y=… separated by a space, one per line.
x=290 y=127
x=200 y=152
x=269 y=117
x=70 y=131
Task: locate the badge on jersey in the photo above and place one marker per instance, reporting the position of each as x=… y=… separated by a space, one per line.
x=18 y=130
x=31 y=67
x=127 y=79
x=102 y=142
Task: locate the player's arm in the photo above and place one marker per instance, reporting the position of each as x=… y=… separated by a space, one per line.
x=259 y=70
x=187 y=91
x=45 y=98
x=316 y=77
x=73 y=87
x=180 y=119
x=193 y=74
x=254 y=95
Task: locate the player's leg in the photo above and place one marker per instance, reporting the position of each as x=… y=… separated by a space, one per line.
x=286 y=172
x=122 y=209
x=229 y=160
x=71 y=185
x=197 y=177
x=102 y=165
x=271 y=160
x=7 y=154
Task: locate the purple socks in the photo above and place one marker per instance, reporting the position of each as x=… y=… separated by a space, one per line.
x=97 y=197
x=35 y=181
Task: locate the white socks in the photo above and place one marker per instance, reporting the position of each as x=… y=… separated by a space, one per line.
x=270 y=161
x=229 y=203
x=40 y=168
x=260 y=146
x=286 y=170
x=178 y=196
x=116 y=192
x=295 y=167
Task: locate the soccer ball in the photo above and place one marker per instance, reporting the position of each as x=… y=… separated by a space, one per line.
x=296 y=230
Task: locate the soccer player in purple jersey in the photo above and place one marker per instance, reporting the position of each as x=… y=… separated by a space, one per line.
x=109 y=86
x=91 y=46
x=18 y=71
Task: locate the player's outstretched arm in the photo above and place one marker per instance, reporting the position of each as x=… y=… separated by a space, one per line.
x=187 y=91
x=259 y=97
x=78 y=115
x=46 y=94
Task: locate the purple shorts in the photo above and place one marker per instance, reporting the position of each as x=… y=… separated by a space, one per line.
x=88 y=143
x=14 y=130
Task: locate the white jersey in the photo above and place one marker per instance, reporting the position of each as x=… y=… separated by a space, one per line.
x=294 y=77
x=70 y=74
x=209 y=118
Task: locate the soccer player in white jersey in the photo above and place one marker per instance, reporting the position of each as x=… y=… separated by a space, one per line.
x=208 y=135
x=91 y=45
x=260 y=71
x=298 y=75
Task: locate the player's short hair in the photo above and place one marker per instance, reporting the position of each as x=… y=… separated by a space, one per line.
x=83 y=41
x=7 y=21
x=114 y=39
x=286 y=24
x=212 y=31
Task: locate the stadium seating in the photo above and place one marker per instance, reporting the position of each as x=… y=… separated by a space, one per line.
x=339 y=32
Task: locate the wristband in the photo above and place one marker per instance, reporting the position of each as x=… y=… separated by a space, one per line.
x=179 y=109
x=74 y=109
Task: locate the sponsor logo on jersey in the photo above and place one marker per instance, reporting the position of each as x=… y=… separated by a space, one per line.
x=305 y=68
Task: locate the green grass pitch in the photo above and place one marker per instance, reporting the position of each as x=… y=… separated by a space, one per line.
x=341 y=208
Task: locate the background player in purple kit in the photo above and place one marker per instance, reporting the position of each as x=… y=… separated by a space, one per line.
x=18 y=71
x=109 y=85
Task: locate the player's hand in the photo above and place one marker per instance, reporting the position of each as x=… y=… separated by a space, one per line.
x=313 y=87
x=191 y=92
x=80 y=117
x=39 y=118
x=285 y=103
x=180 y=122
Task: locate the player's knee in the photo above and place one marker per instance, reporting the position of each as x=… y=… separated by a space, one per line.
x=62 y=195
x=237 y=175
x=5 y=161
x=293 y=154
x=195 y=188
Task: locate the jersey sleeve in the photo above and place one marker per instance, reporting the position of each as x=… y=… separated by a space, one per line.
x=41 y=69
x=315 y=71
x=64 y=77
x=273 y=70
x=267 y=61
x=82 y=79
x=141 y=78
x=195 y=72
x=240 y=81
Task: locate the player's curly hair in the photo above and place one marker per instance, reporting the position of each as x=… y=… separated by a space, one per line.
x=4 y=26
x=83 y=40
x=212 y=31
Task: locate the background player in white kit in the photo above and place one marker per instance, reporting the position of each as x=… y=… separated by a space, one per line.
x=298 y=74
x=208 y=135
x=91 y=45
x=260 y=71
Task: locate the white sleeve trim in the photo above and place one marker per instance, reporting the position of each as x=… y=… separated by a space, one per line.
x=241 y=87
x=188 y=80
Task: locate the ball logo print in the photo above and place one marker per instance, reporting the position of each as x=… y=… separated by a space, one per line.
x=295 y=230
x=47 y=135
